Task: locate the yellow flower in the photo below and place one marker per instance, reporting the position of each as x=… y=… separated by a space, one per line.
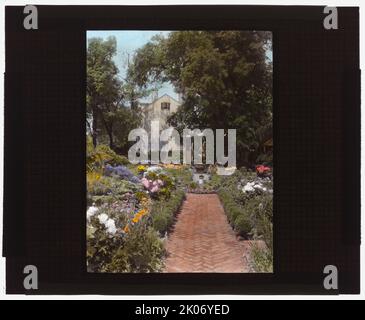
x=126 y=229
x=138 y=216
x=141 y=168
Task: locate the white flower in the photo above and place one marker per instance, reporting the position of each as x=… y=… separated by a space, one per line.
x=259 y=186
x=110 y=226
x=249 y=187
x=154 y=169
x=108 y=223
x=91 y=212
x=103 y=218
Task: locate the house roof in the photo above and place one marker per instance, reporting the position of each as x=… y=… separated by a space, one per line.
x=167 y=95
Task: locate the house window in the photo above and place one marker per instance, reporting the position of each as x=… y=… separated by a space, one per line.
x=165 y=106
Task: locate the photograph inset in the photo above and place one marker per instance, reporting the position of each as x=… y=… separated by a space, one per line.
x=179 y=163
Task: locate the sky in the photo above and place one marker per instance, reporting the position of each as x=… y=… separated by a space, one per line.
x=129 y=41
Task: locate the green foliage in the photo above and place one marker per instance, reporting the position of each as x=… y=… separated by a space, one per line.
x=167 y=181
x=103 y=85
x=214 y=71
x=181 y=176
x=112 y=158
x=163 y=211
x=238 y=215
x=111 y=189
x=243 y=223
x=137 y=250
x=109 y=119
x=136 y=244
x=101 y=188
x=97 y=157
x=193 y=185
x=141 y=250
x=250 y=214
x=262 y=259
x=101 y=69
x=152 y=175
x=140 y=195
x=213 y=184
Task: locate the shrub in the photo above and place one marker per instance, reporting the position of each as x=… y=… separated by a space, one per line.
x=111 y=189
x=122 y=234
x=163 y=211
x=193 y=185
x=214 y=183
x=120 y=237
x=262 y=259
x=243 y=224
x=249 y=211
x=97 y=157
x=141 y=250
x=92 y=179
x=231 y=208
x=98 y=186
x=182 y=176
x=114 y=159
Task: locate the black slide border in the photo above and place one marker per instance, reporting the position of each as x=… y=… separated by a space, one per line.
x=316 y=152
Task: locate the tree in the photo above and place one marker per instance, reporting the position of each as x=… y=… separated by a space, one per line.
x=224 y=77
x=102 y=82
x=108 y=113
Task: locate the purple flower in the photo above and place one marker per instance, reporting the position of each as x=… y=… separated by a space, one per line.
x=122 y=172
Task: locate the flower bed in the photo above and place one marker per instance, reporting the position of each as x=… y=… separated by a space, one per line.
x=129 y=210
x=164 y=212
x=247 y=200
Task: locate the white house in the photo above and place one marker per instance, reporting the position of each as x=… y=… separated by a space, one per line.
x=159 y=109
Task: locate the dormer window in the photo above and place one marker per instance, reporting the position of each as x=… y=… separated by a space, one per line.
x=165 y=106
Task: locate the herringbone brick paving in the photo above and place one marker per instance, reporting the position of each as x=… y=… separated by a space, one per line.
x=202 y=239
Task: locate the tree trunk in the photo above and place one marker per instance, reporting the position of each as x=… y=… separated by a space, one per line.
x=111 y=139
x=109 y=130
x=95 y=127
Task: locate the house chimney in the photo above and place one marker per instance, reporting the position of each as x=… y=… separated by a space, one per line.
x=154 y=95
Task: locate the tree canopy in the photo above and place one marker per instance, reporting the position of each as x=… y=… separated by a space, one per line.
x=225 y=79
x=111 y=111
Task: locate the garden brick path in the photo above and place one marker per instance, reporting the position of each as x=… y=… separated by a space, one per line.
x=202 y=239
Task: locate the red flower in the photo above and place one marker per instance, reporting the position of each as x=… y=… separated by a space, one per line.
x=262 y=169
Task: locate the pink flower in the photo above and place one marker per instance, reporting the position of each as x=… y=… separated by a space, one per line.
x=145 y=183
x=154 y=189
